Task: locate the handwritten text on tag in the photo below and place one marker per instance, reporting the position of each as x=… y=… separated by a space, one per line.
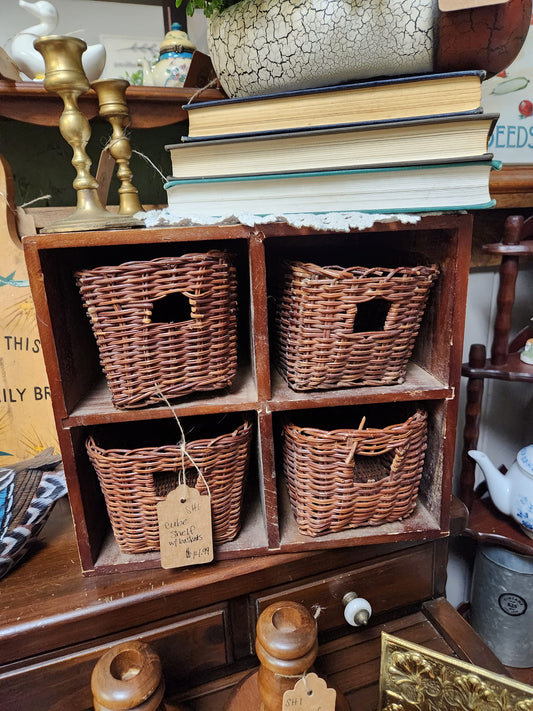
x=310 y=694
x=185 y=533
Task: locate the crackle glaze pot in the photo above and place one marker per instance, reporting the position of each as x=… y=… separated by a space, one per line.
x=263 y=46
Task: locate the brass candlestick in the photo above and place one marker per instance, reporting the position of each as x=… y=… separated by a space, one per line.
x=111 y=95
x=64 y=76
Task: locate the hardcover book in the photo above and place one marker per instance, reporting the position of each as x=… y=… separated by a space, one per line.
x=379 y=100
x=413 y=140
x=409 y=188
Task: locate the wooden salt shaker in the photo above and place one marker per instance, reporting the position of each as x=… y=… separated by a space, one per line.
x=128 y=677
x=286 y=645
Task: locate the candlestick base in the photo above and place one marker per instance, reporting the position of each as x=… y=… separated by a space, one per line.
x=83 y=220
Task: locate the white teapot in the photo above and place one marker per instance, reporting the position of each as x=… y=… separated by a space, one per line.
x=511 y=493
x=175 y=54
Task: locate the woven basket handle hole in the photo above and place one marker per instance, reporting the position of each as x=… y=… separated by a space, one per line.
x=171 y=308
x=371 y=315
x=372 y=468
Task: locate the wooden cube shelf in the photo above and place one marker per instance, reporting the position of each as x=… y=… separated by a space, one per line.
x=82 y=400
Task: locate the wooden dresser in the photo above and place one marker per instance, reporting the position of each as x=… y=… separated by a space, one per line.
x=55 y=623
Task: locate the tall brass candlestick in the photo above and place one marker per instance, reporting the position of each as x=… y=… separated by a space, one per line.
x=111 y=95
x=64 y=76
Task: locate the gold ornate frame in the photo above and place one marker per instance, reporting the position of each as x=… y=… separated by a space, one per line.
x=413 y=678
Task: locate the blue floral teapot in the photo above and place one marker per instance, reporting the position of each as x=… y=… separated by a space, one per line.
x=175 y=54
x=511 y=493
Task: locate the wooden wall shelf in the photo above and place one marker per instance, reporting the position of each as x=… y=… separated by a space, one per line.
x=512 y=186
x=149 y=106
x=81 y=399
x=487 y=525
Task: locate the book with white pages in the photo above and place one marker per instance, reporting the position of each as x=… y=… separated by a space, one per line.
x=463 y=185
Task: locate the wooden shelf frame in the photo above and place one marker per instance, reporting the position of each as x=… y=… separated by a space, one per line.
x=81 y=400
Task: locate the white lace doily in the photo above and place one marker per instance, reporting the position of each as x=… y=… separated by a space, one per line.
x=328 y=221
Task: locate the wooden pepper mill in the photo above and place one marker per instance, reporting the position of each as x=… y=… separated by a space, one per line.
x=128 y=677
x=286 y=645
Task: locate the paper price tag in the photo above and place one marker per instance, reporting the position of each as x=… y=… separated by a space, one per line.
x=448 y=5
x=185 y=533
x=310 y=693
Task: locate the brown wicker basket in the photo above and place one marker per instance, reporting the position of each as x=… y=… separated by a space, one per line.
x=344 y=327
x=142 y=359
x=346 y=478
x=134 y=480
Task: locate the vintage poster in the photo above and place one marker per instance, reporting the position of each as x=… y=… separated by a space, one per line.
x=510 y=94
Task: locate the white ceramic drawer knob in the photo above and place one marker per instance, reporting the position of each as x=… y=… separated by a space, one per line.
x=357 y=610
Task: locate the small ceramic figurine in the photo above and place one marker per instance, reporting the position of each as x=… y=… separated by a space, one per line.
x=526 y=356
x=175 y=54
x=511 y=493
x=30 y=62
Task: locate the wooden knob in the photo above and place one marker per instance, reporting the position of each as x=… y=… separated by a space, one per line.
x=128 y=677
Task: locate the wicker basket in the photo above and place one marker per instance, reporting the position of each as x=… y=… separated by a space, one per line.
x=142 y=359
x=134 y=480
x=347 y=478
x=340 y=328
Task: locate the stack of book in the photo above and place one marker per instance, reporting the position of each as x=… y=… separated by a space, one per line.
x=408 y=144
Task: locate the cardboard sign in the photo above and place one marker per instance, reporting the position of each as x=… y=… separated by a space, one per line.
x=26 y=418
x=185 y=533
x=448 y=5
x=310 y=693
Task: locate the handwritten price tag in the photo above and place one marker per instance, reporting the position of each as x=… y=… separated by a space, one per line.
x=185 y=533
x=311 y=693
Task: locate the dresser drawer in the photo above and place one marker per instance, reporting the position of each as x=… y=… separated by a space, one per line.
x=187 y=646
x=395 y=581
